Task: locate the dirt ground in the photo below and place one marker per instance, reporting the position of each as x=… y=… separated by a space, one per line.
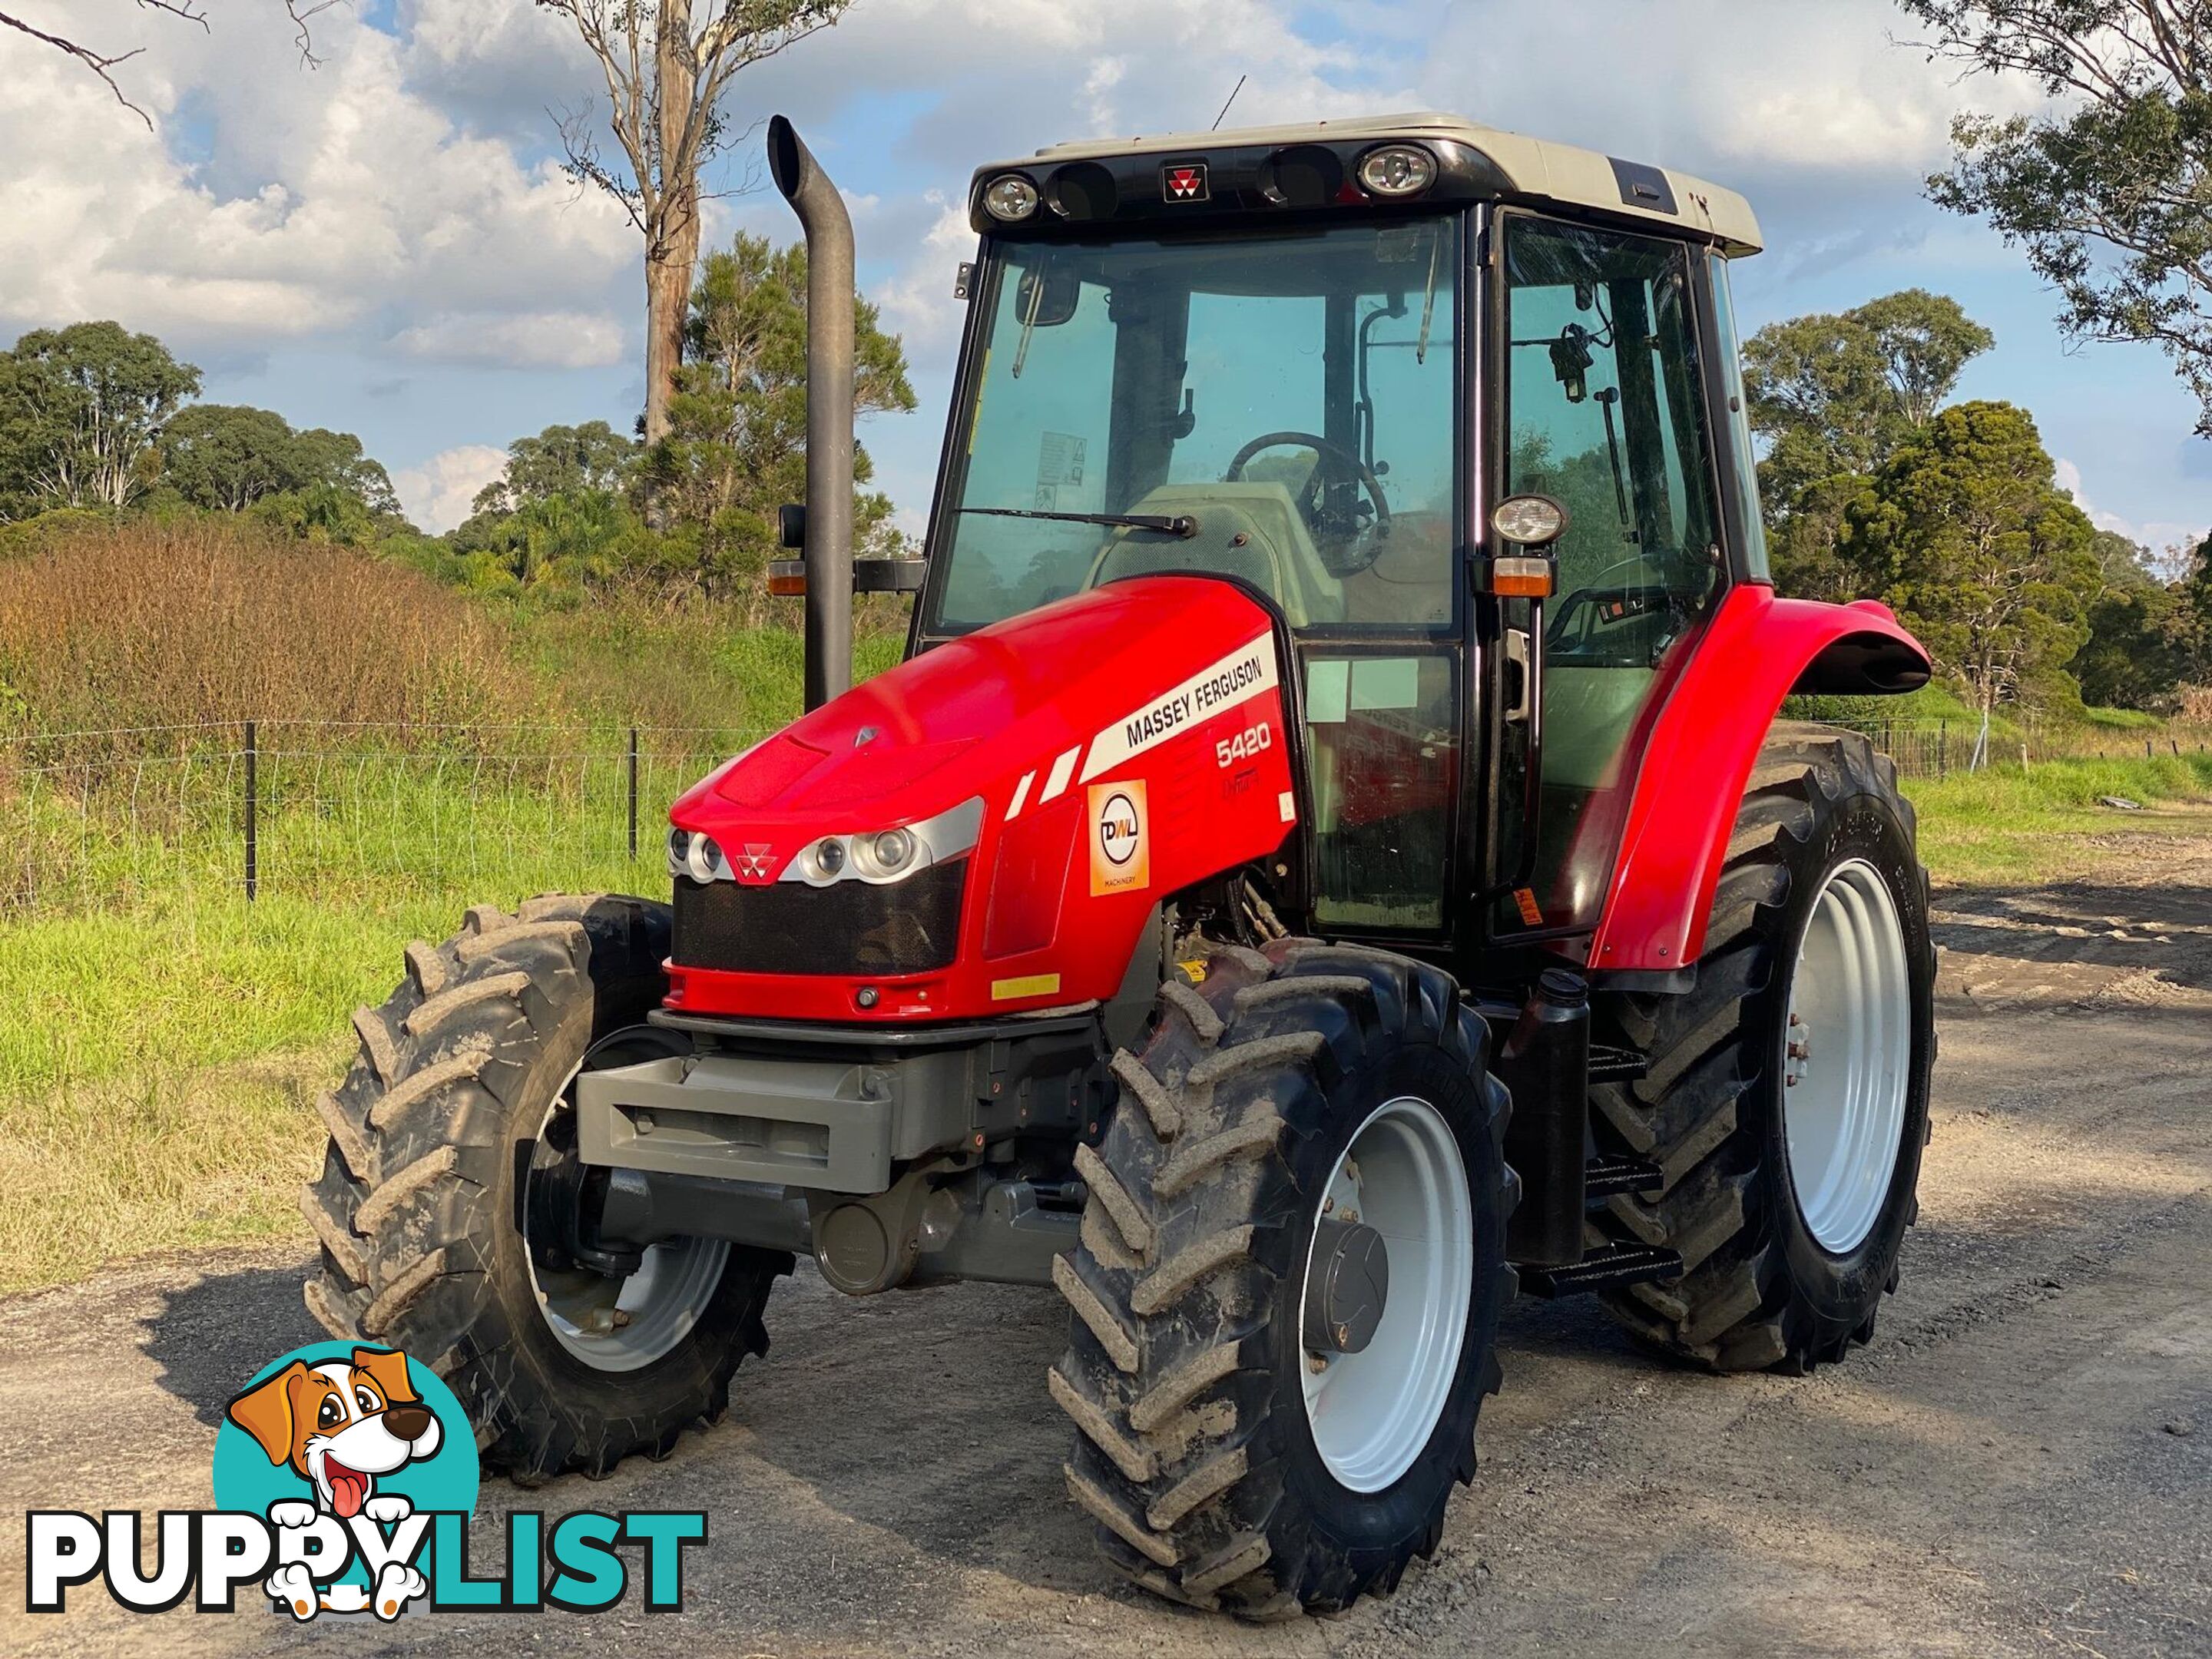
x=2021 y=1463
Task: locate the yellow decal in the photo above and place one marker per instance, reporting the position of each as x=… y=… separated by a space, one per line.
x=1532 y=914
x=1030 y=985
x=1194 y=969
x=1120 y=839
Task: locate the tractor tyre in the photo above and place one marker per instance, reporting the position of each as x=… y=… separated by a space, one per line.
x=1786 y=1104
x=1226 y=1465
x=461 y=1091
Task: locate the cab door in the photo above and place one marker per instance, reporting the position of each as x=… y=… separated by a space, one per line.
x=1604 y=409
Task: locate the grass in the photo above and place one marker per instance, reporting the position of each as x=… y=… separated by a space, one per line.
x=2005 y=826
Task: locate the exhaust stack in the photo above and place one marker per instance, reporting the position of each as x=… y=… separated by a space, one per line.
x=830 y=295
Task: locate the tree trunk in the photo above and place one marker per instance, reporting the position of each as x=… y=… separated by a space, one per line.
x=672 y=248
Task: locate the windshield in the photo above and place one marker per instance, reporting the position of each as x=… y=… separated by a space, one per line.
x=1278 y=407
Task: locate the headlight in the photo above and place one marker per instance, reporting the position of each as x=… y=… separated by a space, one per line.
x=1397 y=170
x=878 y=856
x=882 y=856
x=703 y=859
x=679 y=851
x=822 y=863
x=1010 y=197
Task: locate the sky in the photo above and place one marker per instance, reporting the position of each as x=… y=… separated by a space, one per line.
x=386 y=243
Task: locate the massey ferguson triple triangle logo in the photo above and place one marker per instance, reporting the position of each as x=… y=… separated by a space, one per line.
x=1183 y=181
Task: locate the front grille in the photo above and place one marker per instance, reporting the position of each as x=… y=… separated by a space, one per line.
x=909 y=926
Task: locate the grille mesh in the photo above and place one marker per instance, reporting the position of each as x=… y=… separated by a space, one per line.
x=910 y=926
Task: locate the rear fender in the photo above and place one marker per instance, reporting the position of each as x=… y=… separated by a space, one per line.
x=1757 y=650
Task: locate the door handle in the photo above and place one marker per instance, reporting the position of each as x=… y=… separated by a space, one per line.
x=1524 y=696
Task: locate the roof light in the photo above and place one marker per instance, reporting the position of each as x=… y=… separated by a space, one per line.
x=1011 y=197
x=1398 y=170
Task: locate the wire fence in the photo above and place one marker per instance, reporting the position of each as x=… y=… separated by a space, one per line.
x=364 y=812
x=94 y=821
x=1937 y=749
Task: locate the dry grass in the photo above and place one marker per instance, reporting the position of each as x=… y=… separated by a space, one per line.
x=152 y=624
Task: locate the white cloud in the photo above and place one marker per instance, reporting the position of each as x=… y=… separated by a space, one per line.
x=541 y=339
x=437 y=494
x=2162 y=537
x=331 y=195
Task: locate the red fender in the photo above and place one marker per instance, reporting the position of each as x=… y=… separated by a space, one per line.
x=1756 y=650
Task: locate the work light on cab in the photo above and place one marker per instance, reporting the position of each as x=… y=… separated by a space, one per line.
x=1398 y=170
x=1011 y=197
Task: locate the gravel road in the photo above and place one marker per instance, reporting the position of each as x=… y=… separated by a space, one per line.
x=2021 y=1463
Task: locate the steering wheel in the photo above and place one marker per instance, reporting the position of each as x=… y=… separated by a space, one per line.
x=1344 y=464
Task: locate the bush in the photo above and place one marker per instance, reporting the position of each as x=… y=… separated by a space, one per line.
x=160 y=624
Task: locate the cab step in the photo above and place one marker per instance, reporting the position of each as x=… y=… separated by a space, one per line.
x=1604 y=1177
x=1612 y=1268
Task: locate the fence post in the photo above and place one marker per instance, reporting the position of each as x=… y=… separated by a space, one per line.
x=2147 y=754
x=1942 y=749
x=252 y=812
x=633 y=794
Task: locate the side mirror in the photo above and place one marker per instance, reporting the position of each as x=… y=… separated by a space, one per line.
x=791 y=526
x=1047 y=296
x=1530 y=527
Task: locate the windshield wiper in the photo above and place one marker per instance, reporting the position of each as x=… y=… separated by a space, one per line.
x=1180 y=523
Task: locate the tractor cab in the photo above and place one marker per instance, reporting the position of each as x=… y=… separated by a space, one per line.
x=1316 y=362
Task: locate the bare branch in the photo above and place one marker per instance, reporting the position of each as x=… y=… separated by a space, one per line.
x=301 y=12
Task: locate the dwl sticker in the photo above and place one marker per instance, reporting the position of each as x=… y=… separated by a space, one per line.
x=1121 y=838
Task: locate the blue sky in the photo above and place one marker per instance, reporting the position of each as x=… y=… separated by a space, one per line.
x=385 y=244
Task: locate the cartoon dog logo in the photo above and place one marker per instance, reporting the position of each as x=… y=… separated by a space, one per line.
x=339 y=1425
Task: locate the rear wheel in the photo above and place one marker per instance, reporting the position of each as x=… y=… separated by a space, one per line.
x=1291 y=1270
x=451 y=1139
x=1786 y=1101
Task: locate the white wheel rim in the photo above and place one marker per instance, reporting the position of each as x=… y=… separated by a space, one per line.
x=625 y=1325
x=1372 y=1413
x=1846 y=1057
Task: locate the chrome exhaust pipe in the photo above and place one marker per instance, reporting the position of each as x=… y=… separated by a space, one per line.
x=830 y=295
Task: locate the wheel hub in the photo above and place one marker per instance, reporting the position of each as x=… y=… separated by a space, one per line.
x=1843 y=1113
x=1347 y=1288
x=1384 y=1307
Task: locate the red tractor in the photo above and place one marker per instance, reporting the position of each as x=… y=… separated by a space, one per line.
x=1327 y=861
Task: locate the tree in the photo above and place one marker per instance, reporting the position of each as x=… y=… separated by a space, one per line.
x=736 y=449
x=562 y=460
x=667 y=64
x=103 y=63
x=2110 y=192
x=1987 y=560
x=1838 y=394
x=2138 y=645
x=228 y=456
x=81 y=409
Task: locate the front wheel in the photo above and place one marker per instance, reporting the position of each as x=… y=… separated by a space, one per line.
x=1787 y=1102
x=451 y=1155
x=1292 y=1265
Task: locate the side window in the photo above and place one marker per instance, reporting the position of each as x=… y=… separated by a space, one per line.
x=1730 y=345
x=1606 y=412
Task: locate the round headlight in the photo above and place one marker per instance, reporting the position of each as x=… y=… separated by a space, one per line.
x=679 y=846
x=829 y=857
x=702 y=857
x=1528 y=521
x=1010 y=197
x=1398 y=170
x=884 y=853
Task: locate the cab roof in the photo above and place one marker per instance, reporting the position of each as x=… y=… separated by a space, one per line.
x=1534 y=171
